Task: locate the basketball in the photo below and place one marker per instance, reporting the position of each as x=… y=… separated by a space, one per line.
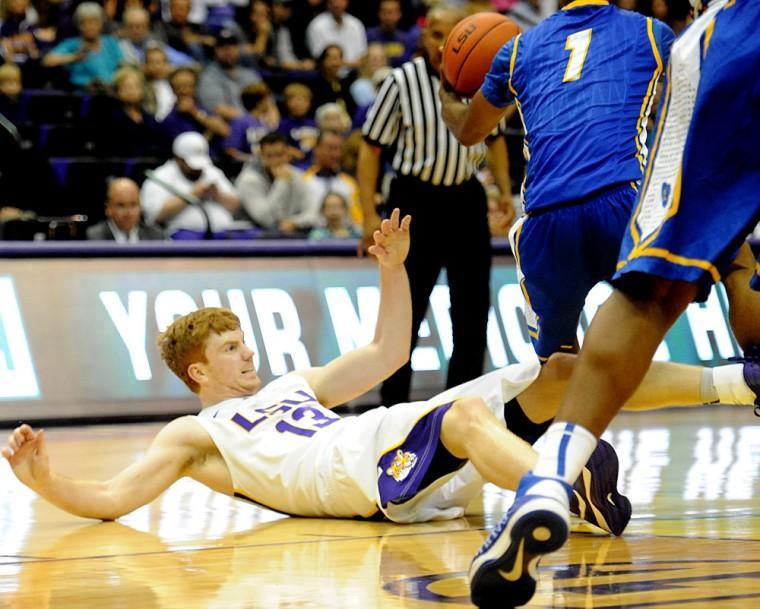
x=471 y=47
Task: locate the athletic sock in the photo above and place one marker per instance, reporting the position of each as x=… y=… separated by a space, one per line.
x=708 y=394
x=519 y=423
x=730 y=385
x=566 y=449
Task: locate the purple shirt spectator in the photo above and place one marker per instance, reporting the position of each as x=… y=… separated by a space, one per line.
x=302 y=134
x=245 y=133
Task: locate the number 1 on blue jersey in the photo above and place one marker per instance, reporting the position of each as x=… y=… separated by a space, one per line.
x=577 y=44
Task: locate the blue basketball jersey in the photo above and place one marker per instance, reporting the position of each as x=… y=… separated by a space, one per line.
x=583 y=81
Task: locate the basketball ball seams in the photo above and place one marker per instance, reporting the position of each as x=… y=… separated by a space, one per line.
x=471 y=49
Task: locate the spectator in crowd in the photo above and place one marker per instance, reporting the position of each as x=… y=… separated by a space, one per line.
x=304 y=12
x=330 y=86
x=273 y=193
x=221 y=14
x=137 y=36
x=286 y=53
x=10 y=92
x=259 y=44
x=327 y=175
x=188 y=114
x=159 y=97
x=297 y=126
x=261 y=117
x=334 y=219
x=17 y=21
x=123 y=216
x=222 y=81
x=92 y=58
x=181 y=34
x=337 y=27
x=399 y=44
x=333 y=117
x=188 y=193
x=364 y=89
x=128 y=130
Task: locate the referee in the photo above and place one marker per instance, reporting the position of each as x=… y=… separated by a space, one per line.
x=434 y=182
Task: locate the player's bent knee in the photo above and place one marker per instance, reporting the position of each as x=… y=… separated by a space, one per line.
x=460 y=424
x=559 y=366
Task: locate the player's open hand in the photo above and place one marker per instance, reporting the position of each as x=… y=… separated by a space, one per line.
x=27 y=455
x=392 y=240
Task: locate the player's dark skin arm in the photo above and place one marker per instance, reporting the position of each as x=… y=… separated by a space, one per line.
x=470 y=123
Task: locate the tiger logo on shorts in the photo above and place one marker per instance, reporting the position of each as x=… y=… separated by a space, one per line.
x=402 y=464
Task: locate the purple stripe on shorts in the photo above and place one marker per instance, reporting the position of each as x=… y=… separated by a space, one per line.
x=403 y=468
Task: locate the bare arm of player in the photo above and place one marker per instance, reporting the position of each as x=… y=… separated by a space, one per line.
x=169 y=458
x=497 y=160
x=352 y=374
x=470 y=123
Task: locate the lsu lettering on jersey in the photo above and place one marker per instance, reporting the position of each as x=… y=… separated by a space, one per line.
x=583 y=81
x=287 y=452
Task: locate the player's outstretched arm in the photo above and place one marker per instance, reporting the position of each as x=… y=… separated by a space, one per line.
x=167 y=459
x=355 y=373
x=470 y=123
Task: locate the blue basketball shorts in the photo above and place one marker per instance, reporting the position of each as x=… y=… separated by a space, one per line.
x=563 y=252
x=701 y=193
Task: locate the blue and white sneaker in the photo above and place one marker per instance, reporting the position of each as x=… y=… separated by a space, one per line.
x=504 y=571
x=595 y=497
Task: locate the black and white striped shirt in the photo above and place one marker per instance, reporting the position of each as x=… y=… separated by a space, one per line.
x=407 y=115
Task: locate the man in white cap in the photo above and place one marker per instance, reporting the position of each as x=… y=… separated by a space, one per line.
x=178 y=192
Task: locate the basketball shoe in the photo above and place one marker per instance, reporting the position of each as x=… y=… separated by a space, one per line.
x=505 y=569
x=595 y=497
x=751 y=370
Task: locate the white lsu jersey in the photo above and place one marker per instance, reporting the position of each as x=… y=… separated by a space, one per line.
x=287 y=452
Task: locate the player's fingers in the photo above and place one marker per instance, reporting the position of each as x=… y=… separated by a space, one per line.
x=395 y=215
x=378 y=237
x=406 y=222
x=13 y=441
x=386 y=227
x=7 y=453
x=376 y=250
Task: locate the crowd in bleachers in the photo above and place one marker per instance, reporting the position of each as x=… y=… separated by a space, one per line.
x=274 y=91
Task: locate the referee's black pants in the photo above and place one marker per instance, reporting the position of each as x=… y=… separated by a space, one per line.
x=449 y=230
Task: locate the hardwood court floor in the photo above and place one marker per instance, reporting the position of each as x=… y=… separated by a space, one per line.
x=694 y=541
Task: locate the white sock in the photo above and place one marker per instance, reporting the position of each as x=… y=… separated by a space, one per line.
x=730 y=386
x=566 y=449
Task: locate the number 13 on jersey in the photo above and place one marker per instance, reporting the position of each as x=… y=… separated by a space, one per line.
x=578 y=45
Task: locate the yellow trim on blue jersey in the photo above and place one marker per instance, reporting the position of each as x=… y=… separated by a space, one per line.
x=542 y=359
x=567 y=346
x=707 y=37
x=656 y=252
x=578 y=3
x=729 y=4
x=647 y=176
x=634 y=186
x=532 y=332
x=512 y=60
x=526 y=149
x=651 y=89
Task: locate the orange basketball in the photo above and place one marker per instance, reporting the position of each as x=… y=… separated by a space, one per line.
x=471 y=47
